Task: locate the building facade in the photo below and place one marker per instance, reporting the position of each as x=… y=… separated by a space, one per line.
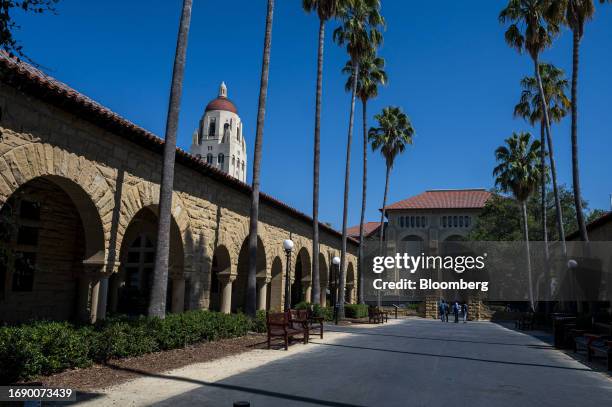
x=79 y=188
x=219 y=138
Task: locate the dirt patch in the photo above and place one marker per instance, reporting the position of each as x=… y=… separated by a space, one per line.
x=122 y=370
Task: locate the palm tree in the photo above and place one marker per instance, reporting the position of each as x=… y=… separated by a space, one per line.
x=360 y=33
x=393 y=133
x=326 y=9
x=518 y=172
x=539 y=24
x=576 y=13
x=371 y=74
x=251 y=297
x=530 y=109
x=157 y=304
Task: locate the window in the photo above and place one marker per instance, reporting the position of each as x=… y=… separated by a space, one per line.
x=242 y=165
x=220 y=159
x=238 y=133
x=467 y=221
x=140 y=262
x=423 y=221
x=209 y=158
x=412 y=221
x=233 y=160
x=212 y=126
x=454 y=221
x=443 y=221
x=23 y=276
x=401 y=221
x=418 y=221
x=460 y=221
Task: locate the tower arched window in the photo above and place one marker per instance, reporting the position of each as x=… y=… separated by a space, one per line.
x=242 y=165
x=209 y=158
x=220 y=159
x=233 y=160
x=212 y=125
x=401 y=221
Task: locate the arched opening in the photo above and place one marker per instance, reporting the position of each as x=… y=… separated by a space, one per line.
x=275 y=293
x=239 y=287
x=221 y=264
x=133 y=282
x=413 y=245
x=49 y=231
x=349 y=292
x=323 y=280
x=301 y=276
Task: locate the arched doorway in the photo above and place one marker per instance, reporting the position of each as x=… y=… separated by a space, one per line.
x=49 y=229
x=221 y=264
x=132 y=285
x=301 y=278
x=349 y=291
x=239 y=287
x=323 y=280
x=275 y=293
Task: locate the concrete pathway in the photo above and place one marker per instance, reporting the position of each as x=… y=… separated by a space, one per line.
x=410 y=362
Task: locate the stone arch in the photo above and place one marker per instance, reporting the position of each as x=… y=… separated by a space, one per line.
x=55 y=240
x=76 y=176
x=412 y=244
x=300 y=287
x=351 y=286
x=323 y=279
x=277 y=284
x=221 y=269
x=239 y=289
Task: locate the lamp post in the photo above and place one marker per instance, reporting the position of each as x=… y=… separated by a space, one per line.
x=335 y=295
x=288 y=246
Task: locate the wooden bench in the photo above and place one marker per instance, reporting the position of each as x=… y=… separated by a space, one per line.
x=596 y=342
x=374 y=315
x=314 y=323
x=279 y=325
x=600 y=346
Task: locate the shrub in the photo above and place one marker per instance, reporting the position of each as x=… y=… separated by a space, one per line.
x=259 y=323
x=356 y=310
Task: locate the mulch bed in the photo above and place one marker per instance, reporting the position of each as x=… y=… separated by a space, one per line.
x=122 y=370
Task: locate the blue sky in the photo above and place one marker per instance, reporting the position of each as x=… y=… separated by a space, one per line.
x=448 y=66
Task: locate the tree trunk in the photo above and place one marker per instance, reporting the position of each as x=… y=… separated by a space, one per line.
x=553 y=171
x=316 y=283
x=347 y=174
x=382 y=215
x=251 y=295
x=575 y=168
x=543 y=206
x=544 y=108
x=157 y=303
x=364 y=104
x=527 y=254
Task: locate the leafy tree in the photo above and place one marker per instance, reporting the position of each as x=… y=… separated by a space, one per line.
x=360 y=33
x=325 y=9
x=518 y=172
x=393 y=134
x=251 y=295
x=157 y=304
x=371 y=75
x=530 y=108
x=8 y=42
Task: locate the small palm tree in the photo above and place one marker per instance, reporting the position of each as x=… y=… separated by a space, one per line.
x=157 y=304
x=393 y=134
x=530 y=109
x=251 y=295
x=326 y=10
x=371 y=74
x=533 y=26
x=576 y=13
x=518 y=172
x=360 y=33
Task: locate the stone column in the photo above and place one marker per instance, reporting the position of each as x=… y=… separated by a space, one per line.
x=83 y=298
x=226 y=292
x=103 y=297
x=262 y=292
x=95 y=291
x=323 y=296
x=307 y=284
x=178 y=295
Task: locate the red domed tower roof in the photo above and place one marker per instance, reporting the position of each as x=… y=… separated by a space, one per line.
x=222 y=102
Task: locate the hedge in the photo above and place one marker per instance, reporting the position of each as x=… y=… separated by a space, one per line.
x=326 y=312
x=47 y=347
x=356 y=310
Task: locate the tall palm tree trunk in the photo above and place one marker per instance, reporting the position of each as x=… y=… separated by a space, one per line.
x=544 y=108
x=316 y=284
x=527 y=253
x=553 y=171
x=251 y=297
x=157 y=304
x=347 y=174
x=543 y=205
x=363 y=200
x=382 y=214
x=575 y=168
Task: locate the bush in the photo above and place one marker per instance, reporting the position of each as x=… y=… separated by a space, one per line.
x=356 y=310
x=39 y=348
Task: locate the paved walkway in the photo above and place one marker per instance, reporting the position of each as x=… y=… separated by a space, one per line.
x=410 y=362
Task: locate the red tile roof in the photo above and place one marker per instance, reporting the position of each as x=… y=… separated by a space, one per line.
x=444 y=199
x=368 y=229
x=32 y=81
x=594 y=224
x=222 y=103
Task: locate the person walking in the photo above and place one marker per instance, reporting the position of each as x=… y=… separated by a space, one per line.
x=465 y=312
x=446 y=311
x=441 y=309
x=456 y=311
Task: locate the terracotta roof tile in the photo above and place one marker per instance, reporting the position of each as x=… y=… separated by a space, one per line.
x=368 y=229
x=444 y=199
